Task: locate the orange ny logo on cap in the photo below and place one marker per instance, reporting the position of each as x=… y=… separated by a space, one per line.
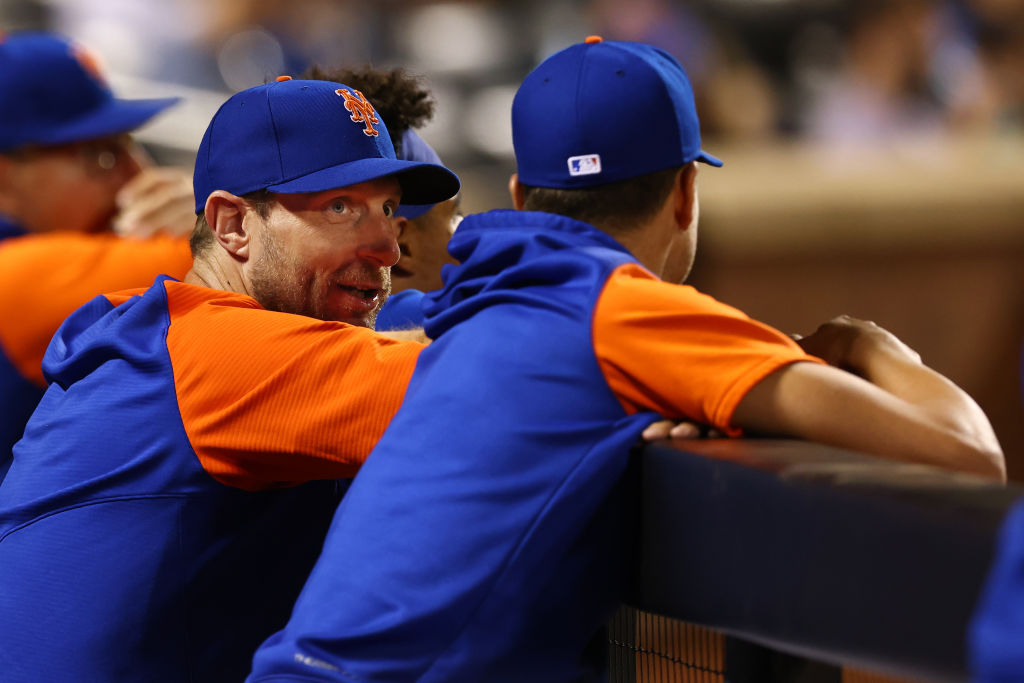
x=362 y=110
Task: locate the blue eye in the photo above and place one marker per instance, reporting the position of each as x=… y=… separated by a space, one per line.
x=389 y=210
x=339 y=206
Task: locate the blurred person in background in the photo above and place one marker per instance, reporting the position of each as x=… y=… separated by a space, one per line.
x=423 y=230
x=880 y=93
x=67 y=159
x=993 y=33
x=917 y=68
x=70 y=175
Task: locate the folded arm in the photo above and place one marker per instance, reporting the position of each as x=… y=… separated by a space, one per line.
x=879 y=398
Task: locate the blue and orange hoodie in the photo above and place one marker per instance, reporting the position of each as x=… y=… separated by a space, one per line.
x=173 y=487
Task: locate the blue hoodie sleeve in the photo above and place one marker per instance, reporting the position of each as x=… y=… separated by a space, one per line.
x=996 y=630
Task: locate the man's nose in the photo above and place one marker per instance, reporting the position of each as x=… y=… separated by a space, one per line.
x=380 y=241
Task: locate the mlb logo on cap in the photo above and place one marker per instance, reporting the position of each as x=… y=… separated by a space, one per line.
x=588 y=164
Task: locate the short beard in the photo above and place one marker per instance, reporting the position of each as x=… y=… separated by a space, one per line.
x=272 y=287
x=280 y=285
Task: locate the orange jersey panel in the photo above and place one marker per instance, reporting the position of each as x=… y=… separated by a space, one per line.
x=271 y=399
x=670 y=349
x=45 y=278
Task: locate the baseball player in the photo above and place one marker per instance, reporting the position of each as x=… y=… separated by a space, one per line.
x=490 y=546
x=424 y=230
x=67 y=164
x=161 y=513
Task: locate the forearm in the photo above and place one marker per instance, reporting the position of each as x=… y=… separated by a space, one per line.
x=886 y=402
x=903 y=375
x=830 y=406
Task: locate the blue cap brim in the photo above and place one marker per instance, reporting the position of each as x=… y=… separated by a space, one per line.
x=413 y=211
x=421 y=183
x=708 y=159
x=114 y=117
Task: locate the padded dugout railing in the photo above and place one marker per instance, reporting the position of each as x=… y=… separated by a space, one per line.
x=802 y=563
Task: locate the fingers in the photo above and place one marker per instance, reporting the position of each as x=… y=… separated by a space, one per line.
x=849 y=343
x=657 y=430
x=140 y=156
x=157 y=200
x=148 y=181
x=669 y=429
x=690 y=430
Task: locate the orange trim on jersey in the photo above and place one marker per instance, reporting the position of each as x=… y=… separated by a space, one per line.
x=670 y=349
x=271 y=399
x=45 y=278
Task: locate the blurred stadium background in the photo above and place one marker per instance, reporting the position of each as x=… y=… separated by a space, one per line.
x=874 y=157
x=874 y=148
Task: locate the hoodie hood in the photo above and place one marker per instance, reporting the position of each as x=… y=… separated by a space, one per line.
x=97 y=332
x=513 y=256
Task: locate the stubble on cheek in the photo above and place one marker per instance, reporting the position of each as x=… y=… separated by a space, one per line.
x=279 y=284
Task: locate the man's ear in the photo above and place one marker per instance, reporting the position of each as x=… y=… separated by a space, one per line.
x=685 y=195
x=515 y=190
x=226 y=213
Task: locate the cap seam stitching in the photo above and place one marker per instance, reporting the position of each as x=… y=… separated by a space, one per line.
x=576 y=103
x=678 y=128
x=277 y=143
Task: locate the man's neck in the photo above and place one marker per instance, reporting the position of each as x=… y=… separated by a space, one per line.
x=212 y=272
x=648 y=244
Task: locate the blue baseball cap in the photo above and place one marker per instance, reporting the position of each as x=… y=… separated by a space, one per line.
x=306 y=136
x=603 y=111
x=52 y=93
x=415 y=148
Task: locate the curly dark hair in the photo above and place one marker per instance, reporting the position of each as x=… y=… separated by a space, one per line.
x=398 y=96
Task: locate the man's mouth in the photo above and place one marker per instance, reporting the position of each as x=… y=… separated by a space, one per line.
x=366 y=293
x=356 y=294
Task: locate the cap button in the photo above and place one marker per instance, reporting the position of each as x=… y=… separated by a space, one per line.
x=593 y=39
x=283 y=78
